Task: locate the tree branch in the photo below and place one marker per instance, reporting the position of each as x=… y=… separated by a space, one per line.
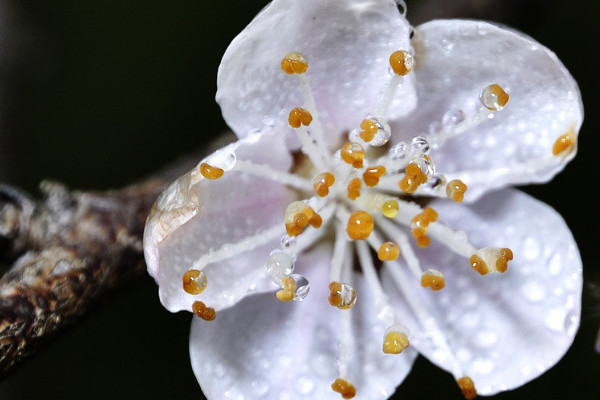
x=67 y=251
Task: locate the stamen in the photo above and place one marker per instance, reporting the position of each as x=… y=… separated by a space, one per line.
x=298 y=215
x=433 y=279
x=344 y=387
x=420 y=224
x=413 y=178
x=456 y=190
x=204 y=312
x=494 y=98
x=565 y=144
x=360 y=225
x=396 y=339
x=388 y=251
x=322 y=183
x=353 y=153
x=369 y=129
x=385 y=311
x=341 y=295
x=299 y=116
x=340 y=248
x=467 y=387
x=371 y=175
x=491 y=259
x=210 y=172
x=354 y=188
x=273 y=174
x=194 y=281
x=402 y=62
x=294 y=63
x=288 y=291
x=376 y=132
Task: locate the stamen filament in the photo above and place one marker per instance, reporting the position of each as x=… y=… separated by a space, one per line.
x=406 y=250
x=317 y=154
x=229 y=250
x=385 y=99
x=385 y=312
x=340 y=248
x=346 y=339
x=310 y=104
x=424 y=317
x=275 y=175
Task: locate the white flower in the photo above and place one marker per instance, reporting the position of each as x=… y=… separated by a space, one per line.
x=372 y=111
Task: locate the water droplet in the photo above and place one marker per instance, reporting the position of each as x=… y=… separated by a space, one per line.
x=533 y=291
x=302 y=287
x=279 y=265
x=304 y=385
x=419 y=144
x=398 y=151
x=287 y=241
x=453 y=118
x=383 y=132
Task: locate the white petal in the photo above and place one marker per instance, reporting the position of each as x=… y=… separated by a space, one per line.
x=188 y=220
x=509 y=328
x=266 y=349
x=455 y=61
x=347 y=44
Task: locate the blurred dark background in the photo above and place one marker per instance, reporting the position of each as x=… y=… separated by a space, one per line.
x=100 y=94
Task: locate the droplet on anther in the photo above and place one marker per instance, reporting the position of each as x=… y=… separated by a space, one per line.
x=279 y=265
x=204 y=312
x=294 y=63
x=467 y=387
x=341 y=295
x=194 y=281
x=353 y=154
x=210 y=172
x=298 y=215
x=360 y=225
x=433 y=279
x=494 y=98
x=322 y=183
x=396 y=339
x=388 y=251
x=402 y=62
x=344 y=387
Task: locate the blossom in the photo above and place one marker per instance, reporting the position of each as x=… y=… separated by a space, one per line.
x=363 y=213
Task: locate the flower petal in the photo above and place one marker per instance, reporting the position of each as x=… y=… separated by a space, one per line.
x=266 y=349
x=455 y=61
x=347 y=44
x=505 y=329
x=190 y=219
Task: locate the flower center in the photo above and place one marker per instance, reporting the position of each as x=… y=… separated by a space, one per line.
x=362 y=192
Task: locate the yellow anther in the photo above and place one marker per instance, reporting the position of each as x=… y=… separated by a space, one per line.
x=467 y=387
x=322 y=183
x=369 y=129
x=298 y=215
x=455 y=190
x=210 y=172
x=433 y=279
x=478 y=264
x=354 y=188
x=360 y=225
x=388 y=251
x=353 y=154
x=194 y=281
x=565 y=144
x=420 y=224
x=372 y=174
x=413 y=178
x=206 y=313
x=299 y=116
x=395 y=342
x=344 y=387
x=506 y=255
x=288 y=291
x=494 y=98
x=390 y=208
x=341 y=295
x=491 y=259
x=402 y=62
x=294 y=63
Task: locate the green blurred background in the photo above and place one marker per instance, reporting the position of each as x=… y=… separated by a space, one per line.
x=99 y=94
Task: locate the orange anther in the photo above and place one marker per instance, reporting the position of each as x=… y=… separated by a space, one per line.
x=353 y=154
x=194 y=281
x=322 y=183
x=388 y=251
x=467 y=387
x=478 y=264
x=299 y=116
x=455 y=190
x=402 y=62
x=372 y=174
x=344 y=387
x=360 y=225
x=565 y=144
x=206 y=313
x=433 y=279
x=210 y=172
x=354 y=188
x=294 y=63
x=369 y=129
